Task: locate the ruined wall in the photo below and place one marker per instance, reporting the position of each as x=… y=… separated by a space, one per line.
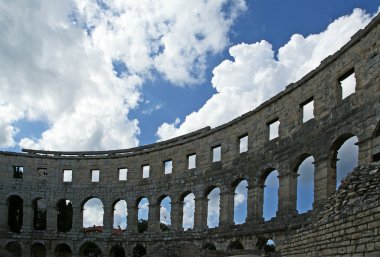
x=335 y=120
x=349 y=225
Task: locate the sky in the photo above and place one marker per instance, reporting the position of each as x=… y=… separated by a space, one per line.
x=100 y=75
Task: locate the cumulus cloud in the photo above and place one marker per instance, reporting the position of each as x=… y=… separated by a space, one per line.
x=255 y=73
x=57 y=63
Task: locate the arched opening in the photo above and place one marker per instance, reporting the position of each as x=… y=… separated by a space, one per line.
x=209 y=246
x=15 y=213
x=376 y=144
x=39 y=213
x=138 y=251
x=64 y=215
x=240 y=202
x=120 y=215
x=93 y=215
x=165 y=213
x=266 y=245
x=269 y=184
x=38 y=250
x=188 y=201
x=235 y=245
x=305 y=183
x=90 y=249
x=344 y=157
x=117 y=251
x=14 y=248
x=63 y=250
x=143 y=213
x=213 y=208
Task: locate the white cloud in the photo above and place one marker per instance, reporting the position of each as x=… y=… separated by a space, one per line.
x=93 y=213
x=213 y=210
x=255 y=74
x=188 y=211
x=51 y=70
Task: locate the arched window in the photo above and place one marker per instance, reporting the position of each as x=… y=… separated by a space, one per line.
x=305 y=184
x=15 y=213
x=143 y=213
x=64 y=215
x=213 y=208
x=38 y=250
x=63 y=250
x=188 y=211
x=93 y=214
x=235 y=245
x=120 y=215
x=39 y=214
x=90 y=249
x=270 y=200
x=165 y=213
x=240 y=202
x=14 y=248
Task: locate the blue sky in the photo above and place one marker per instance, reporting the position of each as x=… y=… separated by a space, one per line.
x=98 y=75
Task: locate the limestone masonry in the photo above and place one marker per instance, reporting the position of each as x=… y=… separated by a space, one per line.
x=42 y=193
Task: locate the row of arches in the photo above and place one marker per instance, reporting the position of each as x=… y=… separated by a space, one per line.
x=345 y=150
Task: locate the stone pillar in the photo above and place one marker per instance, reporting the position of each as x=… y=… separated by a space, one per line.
x=177 y=216
x=154 y=218
x=27 y=221
x=226 y=208
x=4 y=216
x=107 y=218
x=77 y=225
x=365 y=151
x=255 y=204
x=287 y=194
x=200 y=215
x=51 y=218
x=324 y=180
x=132 y=218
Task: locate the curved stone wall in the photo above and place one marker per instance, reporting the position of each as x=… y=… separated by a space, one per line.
x=335 y=120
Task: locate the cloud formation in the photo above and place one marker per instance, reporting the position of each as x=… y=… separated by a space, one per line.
x=57 y=63
x=255 y=74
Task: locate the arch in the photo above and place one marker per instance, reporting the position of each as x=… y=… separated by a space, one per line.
x=188 y=200
x=120 y=215
x=268 y=189
x=38 y=250
x=213 y=207
x=92 y=213
x=64 y=215
x=142 y=214
x=14 y=248
x=117 y=251
x=376 y=144
x=265 y=244
x=89 y=248
x=304 y=167
x=63 y=250
x=235 y=245
x=165 y=212
x=15 y=213
x=138 y=251
x=39 y=213
x=343 y=157
x=376 y=133
x=209 y=246
x=240 y=189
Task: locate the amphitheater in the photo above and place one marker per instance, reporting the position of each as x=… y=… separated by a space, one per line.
x=42 y=193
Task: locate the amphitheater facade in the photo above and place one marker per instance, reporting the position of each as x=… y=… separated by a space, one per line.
x=343 y=222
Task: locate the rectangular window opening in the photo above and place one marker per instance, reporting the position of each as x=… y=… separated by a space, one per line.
x=243 y=144
x=18 y=171
x=191 y=160
x=307 y=110
x=168 y=166
x=274 y=129
x=95 y=175
x=67 y=175
x=376 y=157
x=123 y=172
x=145 y=170
x=216 y=154
x=348 y=83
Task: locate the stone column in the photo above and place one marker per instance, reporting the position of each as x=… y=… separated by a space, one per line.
x=226 y=208
x=154 y=218
x=27 y=221
x=51 y=218
x=287 y=194
x=177 y=216
x=365 y=151
x=200 y=215
x=255 y=204
x=77 y=225
x=132 y=218
x=107 y=218
x=3 y=216
x=324 y=180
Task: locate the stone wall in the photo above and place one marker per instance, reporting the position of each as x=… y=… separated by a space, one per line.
x=348 y=226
